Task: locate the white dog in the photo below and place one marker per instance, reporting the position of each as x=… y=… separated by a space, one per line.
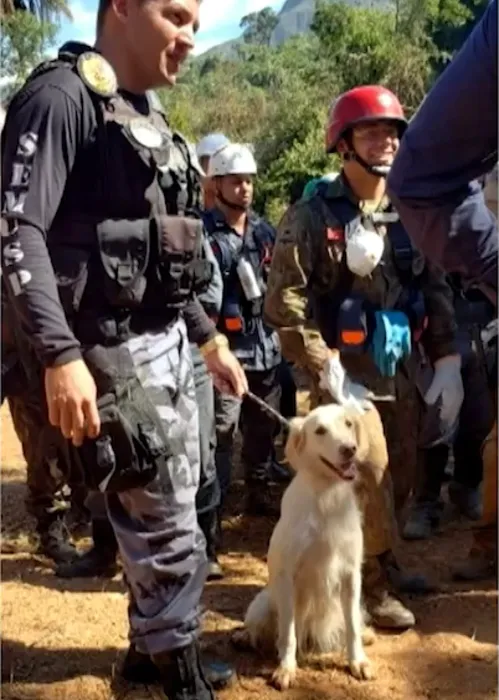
x=312 y=602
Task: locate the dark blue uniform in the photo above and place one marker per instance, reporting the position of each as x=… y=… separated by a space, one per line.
x=450 y=142
x=257 y=348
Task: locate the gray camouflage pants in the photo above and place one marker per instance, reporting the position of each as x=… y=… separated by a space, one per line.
x=161 y=545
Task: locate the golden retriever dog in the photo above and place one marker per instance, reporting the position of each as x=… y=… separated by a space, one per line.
x=312 y=602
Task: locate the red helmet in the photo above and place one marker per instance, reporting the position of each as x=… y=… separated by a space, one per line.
x=362 y=104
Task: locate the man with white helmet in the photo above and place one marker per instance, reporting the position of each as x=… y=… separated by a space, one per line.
x=243 y=244
x=209 y=145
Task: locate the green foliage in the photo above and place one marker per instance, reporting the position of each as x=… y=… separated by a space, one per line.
x=24 y=41
x=278 y=98
x=258 y=26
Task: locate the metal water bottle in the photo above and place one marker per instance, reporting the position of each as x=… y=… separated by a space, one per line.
x=248 y=280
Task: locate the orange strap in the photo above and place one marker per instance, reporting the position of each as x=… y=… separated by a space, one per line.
x=357 y=337
x=233 y=324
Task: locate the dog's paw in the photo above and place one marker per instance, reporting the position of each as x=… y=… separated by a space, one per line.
x=283 y=677
x=361 y=670
x=241 y=639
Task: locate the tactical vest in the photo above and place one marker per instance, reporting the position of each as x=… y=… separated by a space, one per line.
x=241 y=320
x=126 y=241
x=345 y=314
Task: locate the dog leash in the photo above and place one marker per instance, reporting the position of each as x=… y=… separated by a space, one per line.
x=268 y=409
x=285 y=422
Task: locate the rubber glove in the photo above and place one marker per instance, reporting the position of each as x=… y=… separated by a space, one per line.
x=342 y=389
x=447 y=385
x=391 y=342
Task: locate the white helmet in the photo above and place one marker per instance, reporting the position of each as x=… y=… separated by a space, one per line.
x=233 y=159
x=210 y=143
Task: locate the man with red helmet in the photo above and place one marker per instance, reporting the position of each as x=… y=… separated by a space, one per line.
x=350 y=298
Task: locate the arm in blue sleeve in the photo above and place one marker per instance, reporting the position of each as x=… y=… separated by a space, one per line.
x=450 y=142
x=40 y=142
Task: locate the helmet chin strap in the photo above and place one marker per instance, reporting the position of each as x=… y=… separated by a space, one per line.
x=377 y=170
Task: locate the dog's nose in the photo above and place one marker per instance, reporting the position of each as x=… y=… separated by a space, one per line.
x=348 y=451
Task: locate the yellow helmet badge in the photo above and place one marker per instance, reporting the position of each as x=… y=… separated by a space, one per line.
x=97 y=73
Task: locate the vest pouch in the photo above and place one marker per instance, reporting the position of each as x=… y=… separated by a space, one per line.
x=202 y=275
x=232 y=320
x=71 y=274
x=124 y=248
x=353 y=328
x=179 y=240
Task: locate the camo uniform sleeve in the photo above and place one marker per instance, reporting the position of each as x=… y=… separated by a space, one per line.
x=286 y=300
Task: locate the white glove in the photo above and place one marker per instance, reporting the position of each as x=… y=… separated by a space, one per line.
x=334 y=379
x=447 y=385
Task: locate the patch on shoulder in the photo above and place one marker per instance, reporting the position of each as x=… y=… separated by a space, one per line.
x=97 y=74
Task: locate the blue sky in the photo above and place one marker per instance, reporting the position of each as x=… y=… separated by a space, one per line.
x=219 y=20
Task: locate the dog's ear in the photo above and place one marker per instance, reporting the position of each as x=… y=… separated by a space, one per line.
x=296 y=441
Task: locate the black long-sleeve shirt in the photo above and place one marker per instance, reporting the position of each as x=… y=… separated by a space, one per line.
x=48 y=123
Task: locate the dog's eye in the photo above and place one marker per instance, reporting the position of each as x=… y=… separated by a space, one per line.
x=321 y=430
x=349 y=423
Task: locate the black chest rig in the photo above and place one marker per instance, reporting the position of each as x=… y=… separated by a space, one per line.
x=255 y=247
x=126 y=242
x=345 y=314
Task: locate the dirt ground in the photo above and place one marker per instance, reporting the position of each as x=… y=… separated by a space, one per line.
x=63 y=640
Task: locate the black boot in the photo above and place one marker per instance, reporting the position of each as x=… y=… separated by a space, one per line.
x=209 y=524
x=100 y=560
x=54 y=541
x=139 y=668
x=182 y=674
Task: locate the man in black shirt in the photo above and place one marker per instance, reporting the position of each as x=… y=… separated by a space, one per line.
x=100 y=258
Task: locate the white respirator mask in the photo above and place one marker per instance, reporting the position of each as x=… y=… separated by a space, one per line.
x=364 y=249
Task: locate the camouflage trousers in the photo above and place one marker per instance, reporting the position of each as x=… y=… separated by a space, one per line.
x=387 y=476
x=161 y=545
x=48 y=493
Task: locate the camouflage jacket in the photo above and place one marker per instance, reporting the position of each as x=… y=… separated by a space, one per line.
x=306 y=263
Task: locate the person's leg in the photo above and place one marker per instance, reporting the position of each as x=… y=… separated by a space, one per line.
x=258 y=430
x=44 y=500
x=476 y=421
x=100 y=559
x=161 y=545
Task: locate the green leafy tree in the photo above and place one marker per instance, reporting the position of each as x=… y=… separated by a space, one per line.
x=258 y=26
x=277 y=98
x=24 y=41
x=45 y=10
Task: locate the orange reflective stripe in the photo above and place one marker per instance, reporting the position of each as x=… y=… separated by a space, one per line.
x=353 y=337
x=233 y=324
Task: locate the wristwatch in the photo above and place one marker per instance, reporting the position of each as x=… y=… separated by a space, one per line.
x=218 y=341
